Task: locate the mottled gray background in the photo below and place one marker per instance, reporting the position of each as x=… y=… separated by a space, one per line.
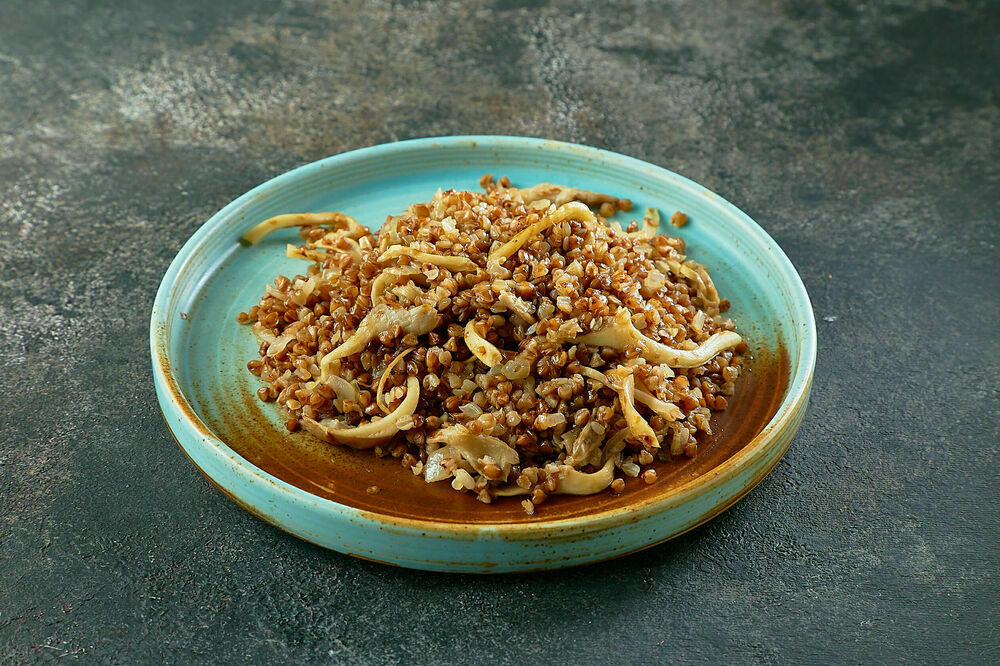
x=865 y=138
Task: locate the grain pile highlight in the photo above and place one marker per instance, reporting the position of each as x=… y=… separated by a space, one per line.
x=511 y=342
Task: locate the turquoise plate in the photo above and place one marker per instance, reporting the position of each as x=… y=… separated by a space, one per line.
x=319 y=492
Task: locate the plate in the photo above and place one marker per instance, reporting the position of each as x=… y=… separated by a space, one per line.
x=319 y=492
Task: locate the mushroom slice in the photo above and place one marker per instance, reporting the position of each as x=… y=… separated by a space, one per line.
x=575 y=482
x=573 y=210
x=587 y=443
x=667 y=410
x=517 y=305
x=571 y=482
x=398 y=275
x=293 y=252
x=474 y=447
x=650 y=224
x=339 y=220
x=452 y=263
x=373 y=433
x=417 y=320
x=621 y=333
x=344 y=389
x=615 y=445
x=641 y=430
x=561 y=194
x=480 y=347
x=385 y=375
x=436 y=470
x=705 y=292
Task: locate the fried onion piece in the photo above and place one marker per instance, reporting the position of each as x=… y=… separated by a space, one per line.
x=335 y=243
x=517 y=305
x=616 y=444
x=437 y=468
x=344 y=389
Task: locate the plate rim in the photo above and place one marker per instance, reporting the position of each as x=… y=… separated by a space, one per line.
x=789 y=410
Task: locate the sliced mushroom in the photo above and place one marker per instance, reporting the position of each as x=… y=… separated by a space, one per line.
x=452 y=263
x=396 y=275
x=568 y=211
x=417 y=320
x=340 y=220
x=574 y=482
x=624 y=385
x=667 y=410
x=344 y=389
x=621 y=333
x=561 y=194
x=587 y=443
x=517 y=305
x=473 y=448
x=370 y=434
x=293 y=252
x=480 y=347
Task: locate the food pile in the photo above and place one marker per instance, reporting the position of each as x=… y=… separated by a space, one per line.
x=509 y=342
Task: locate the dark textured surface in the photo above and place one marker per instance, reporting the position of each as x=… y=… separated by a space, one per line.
x=864 y=139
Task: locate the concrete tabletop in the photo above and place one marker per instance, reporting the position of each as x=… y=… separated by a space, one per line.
x=865 y=138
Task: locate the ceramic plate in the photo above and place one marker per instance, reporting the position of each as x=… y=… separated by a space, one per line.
x=318 y=492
